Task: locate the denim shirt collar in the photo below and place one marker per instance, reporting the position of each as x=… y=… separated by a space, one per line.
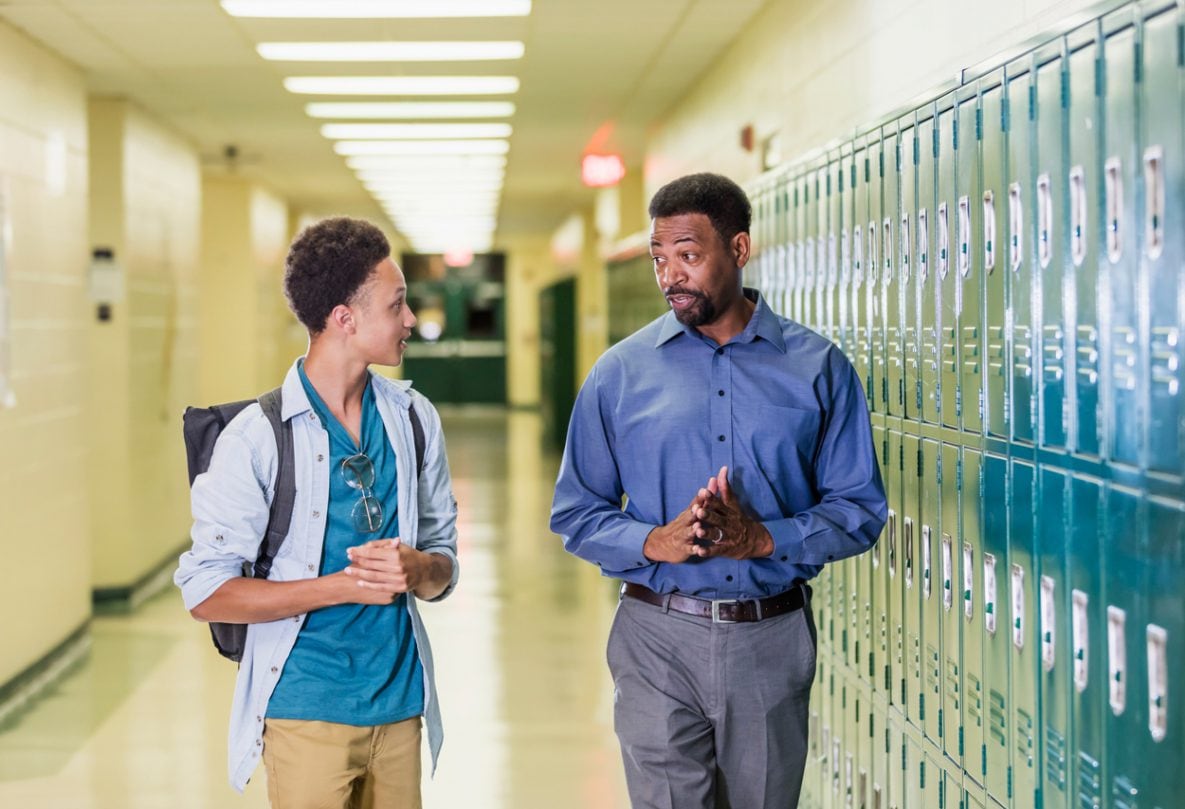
x=764 y=324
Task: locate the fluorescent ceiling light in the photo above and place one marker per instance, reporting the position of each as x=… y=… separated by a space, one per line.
x=426 y=162
x=389 y=51
x=418 y=110
x=377 y=9
x=414 y=131
x=493 y=174
x=402 y=85
x=421 y=147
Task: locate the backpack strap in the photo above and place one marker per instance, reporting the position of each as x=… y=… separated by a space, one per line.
x=284 y=498
x=417 y=432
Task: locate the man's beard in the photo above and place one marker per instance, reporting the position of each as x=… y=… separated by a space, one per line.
x=700 y=313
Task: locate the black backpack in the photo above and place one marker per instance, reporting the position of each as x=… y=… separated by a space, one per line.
x=201 y=427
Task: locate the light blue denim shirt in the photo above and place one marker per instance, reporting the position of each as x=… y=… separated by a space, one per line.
x=230 y=509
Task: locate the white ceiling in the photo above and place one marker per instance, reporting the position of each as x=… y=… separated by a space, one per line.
x=587 y=63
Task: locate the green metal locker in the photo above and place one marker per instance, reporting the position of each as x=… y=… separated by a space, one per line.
x=1087 y=611
x=1024 y=346
x=1053 y=610
x=950 y=576
x=968 y=259
x=996 y=637
x=928 y=300
x=1024 y=662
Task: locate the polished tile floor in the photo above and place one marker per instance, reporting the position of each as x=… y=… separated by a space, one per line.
x=527 y=702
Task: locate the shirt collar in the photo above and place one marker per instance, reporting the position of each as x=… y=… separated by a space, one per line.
x=764 y=324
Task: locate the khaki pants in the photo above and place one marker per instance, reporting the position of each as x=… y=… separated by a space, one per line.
x=324 y=765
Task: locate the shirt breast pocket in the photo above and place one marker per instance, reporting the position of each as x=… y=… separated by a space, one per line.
x=784 y=439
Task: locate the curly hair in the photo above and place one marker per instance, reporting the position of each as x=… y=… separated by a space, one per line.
x=328 y=262
x=717 y=197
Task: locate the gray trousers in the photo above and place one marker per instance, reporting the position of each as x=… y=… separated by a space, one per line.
x=711 y=716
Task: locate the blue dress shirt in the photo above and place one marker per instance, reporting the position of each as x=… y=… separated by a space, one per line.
x=664 y=409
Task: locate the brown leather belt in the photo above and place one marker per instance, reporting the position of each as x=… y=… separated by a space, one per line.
x=721 y=611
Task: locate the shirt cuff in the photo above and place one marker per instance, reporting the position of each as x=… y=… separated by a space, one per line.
x=789 y=547
x=626 y=554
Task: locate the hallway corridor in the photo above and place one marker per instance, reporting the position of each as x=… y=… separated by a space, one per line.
x=527 y=701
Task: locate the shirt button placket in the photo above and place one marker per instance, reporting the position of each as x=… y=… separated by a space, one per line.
x=720 y=409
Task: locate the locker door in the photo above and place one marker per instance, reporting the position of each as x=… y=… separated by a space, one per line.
x=1163 y=243
x=910 y=579
x=933 y=782
x=1084 y=234
x=1123 y=373
x=994 y=628
x=928 y=302
x=946 y=242
x=878 y=650
x=852 y=707
x=1088 y=693
x=932 y=594
x=872 y=257
x=1053 y=616
x=1051 y=234
x=859 y=291
x=912 y=762
x=975 y=709
x=810 y=249
x=892 y=392
x=894 y=485
x=1119 y=643
x=876 y=732
x=968 y=262
x=1022 y=254
x=911 y=392
x=993 y=205
x=950 y=577
x=844 y=225
x=798 y=251
x=1023 y=625
x=895 y=755
x=1158 y=638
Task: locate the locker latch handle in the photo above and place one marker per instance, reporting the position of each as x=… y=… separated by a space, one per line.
x=1117 y=658
x=906 y=244
x=943 y=241
x=1044 y=220
x=989 y=593
x=948 y=595
x=1015 y=226
x=908 y=553
x=1018 y=606
x=968 y=580
x=964 y=236
x=926 y=577
x=872 y=254
x=887 y=247
x=1080 y=634
x=923 y=246
x=1113 y=175
x=1048 y=623
x=1158 y=682
x=989 y=231
x=1154 y=201
x=1078 y=215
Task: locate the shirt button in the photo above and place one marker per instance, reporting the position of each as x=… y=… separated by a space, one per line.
x=259 y=719
x=274 y=669
x=313 y=416
x=311 y=568
x=728 y=578
x=316 y=514
x=296 y=618
x=320 y=457
x=785 y=558
x=719 y=393
x=719 y=438
x=219 y=539
x=720 y=351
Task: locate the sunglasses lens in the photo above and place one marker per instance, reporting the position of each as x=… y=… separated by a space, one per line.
x=367 y=515
x=358 y=472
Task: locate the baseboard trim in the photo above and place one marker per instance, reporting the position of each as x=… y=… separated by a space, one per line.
x=120 y=600
x=21 y=691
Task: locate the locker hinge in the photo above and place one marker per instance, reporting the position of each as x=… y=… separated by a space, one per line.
x=867 y=169
x=917 y=148
x=934 y=140
x=1005 y=115
x=904 y=758
x=983 y=759
x=880 y=160
x=1181 y=46
x=921 y=455
x=922 y=774
x=1100 y=77
x=978 y=123
x=1032 y=102
x=1065 y=88
x=961 y=741
x=938 y=470
x=954 y=133
x=1010 y=781
x=901 y=457
x=959 y=482
x=796 y=196
x=852 y=172
x=888 y=680
x=1138 y=63
x=941 y=733
x=888 y=747
x=921 y=707
x=828 y=185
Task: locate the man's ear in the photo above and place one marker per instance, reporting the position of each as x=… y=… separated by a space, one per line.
x=740 y=246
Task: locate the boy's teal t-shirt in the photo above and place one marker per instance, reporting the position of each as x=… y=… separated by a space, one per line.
x=353 y=664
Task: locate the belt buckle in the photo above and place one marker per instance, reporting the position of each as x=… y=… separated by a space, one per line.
x=716 y=602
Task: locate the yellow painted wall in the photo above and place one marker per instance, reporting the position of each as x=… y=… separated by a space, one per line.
x=815 y=70
x=247 y=338
x=145 y=196
x=529 y=269
x=44 y=526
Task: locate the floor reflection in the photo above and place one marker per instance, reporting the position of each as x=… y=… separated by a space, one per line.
x=519 y=650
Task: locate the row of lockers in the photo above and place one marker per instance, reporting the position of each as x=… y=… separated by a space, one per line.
x=1005 y=261
x=1005 y=267
x=1022 y=625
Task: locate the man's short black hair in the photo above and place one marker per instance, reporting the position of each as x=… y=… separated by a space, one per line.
x=717 y=197
x=327 y=264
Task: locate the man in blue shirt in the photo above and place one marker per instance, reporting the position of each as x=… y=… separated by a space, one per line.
x=716 y=460
x=336 y=670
